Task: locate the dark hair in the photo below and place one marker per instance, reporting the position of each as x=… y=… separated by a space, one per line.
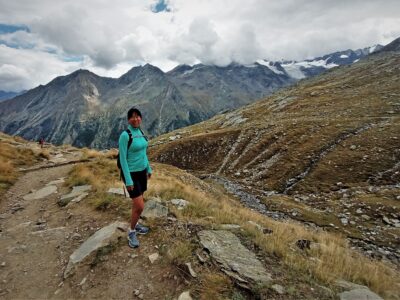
x=132 y=111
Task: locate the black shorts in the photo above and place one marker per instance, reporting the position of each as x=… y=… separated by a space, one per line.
x=139 y=183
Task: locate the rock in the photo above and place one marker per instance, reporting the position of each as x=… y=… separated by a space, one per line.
x=180 y=203
x=153 y=257
x=303 y=244
x=118 y=191
x=228 y=251
x=3 y=264
x=43 y=192
x=365 y=217
x=229 y=226
x=154 y=209
x=83 y=281
x=174 y=137
x=106 y=236
x=344 y=221
x=353 y=147
x=201 y=258
x=386 y=220
x=76 y=236
x=359 y=211
x=348 y=285
x=136 y=292
x=185 y=296
x=191 y=271
x=58 y=181
x=278 y=288
x=77 y=191
x=77 y=199
x=359 y=294
x=16 y=207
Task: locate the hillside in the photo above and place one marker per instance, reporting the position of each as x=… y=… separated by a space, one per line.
x=324 y=152
x=59 y=206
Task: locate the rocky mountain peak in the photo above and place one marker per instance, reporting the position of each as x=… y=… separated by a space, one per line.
x=140 y=71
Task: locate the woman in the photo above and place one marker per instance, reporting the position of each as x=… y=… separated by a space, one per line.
x=135 y=170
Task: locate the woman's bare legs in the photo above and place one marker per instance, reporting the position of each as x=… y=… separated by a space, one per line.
x=137 y=208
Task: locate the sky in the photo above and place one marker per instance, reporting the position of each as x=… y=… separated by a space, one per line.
x=42 y=39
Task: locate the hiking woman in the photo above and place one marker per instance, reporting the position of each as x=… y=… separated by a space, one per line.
x=135 y=170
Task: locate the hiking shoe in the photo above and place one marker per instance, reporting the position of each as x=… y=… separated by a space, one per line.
x=133 y=241
x=140 y=229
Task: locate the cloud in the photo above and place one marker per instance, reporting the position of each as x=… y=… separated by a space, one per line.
x=111 y=36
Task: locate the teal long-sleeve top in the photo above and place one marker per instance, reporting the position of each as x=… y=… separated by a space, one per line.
x=136 y=158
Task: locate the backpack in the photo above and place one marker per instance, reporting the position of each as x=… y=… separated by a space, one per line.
x=129 y=144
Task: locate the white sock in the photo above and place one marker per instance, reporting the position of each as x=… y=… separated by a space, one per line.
x=130 y=230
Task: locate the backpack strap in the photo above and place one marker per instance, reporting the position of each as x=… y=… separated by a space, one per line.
x=145 y=137
x=130 y=140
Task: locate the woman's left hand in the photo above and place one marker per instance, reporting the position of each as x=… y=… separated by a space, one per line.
x=148 y=175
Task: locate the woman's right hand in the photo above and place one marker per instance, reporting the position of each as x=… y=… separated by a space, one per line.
x=129 y=188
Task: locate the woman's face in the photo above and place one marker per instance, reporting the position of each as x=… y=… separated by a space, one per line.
x=135 y=120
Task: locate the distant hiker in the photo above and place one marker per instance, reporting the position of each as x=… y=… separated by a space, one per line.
x=41 y=142
x=135 y=170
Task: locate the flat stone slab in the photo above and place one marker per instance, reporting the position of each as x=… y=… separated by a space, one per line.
x=43 y=192
x=118 y=191
x=76 y=191
x=154 y=209
x=77 y=199
x=359 y=294
x=105 y=236
x=236 y=260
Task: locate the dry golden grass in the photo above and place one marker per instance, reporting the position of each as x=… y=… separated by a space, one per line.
x=214 y=286
x=180 y=252
x=44 y=153
x=11 y=158
x=91 y=153
x=108 y=202
x=112 y=153
x=101 y=174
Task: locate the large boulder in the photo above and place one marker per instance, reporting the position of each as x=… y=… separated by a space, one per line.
x=153 y=209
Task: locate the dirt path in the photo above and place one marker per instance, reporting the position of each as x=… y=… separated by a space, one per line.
x=37 y=237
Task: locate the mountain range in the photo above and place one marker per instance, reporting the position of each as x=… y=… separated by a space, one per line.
x=84 y=109
x=8 y=95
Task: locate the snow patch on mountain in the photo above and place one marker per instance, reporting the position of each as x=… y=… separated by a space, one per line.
x=293 y=70
x=270 y=66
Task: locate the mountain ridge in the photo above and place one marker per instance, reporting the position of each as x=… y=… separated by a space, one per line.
x=73 y=108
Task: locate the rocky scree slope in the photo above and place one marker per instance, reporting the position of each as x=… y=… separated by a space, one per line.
x=324 y=152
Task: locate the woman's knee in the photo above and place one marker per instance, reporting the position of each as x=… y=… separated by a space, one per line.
x=138 y=204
